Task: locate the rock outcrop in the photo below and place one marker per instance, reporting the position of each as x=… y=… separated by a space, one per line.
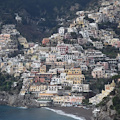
x=17 y=100
x=106 y=113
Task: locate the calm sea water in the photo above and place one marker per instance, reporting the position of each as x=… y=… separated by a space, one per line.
x=11 y=113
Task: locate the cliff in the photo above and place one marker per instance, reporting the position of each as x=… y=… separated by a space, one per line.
x=17 y=100
x=110 y=106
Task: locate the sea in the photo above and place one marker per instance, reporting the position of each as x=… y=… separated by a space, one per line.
x=21 y=113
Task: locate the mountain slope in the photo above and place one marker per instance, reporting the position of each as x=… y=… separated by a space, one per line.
x=38 y=16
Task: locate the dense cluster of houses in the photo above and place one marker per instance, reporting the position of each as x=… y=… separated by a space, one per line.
x=104 y=93
x=53 y=71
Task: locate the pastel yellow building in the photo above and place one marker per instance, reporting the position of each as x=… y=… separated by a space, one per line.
x=75 y=75
x=46 y=96
x=37 y=88
x=16 y=74
x=20 y=67
x=22 y=92
x=72 y=71
x=58 y=99
x=30 y=51
x=99 y=97
x=77 y=79
x=2 y=64
x=23 y=42
x=43 y=69
x=27 y=65
x=34 y=57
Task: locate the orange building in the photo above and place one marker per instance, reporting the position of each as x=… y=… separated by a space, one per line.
x=45 y=41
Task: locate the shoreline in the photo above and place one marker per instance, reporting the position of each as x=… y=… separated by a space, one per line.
x=21 y=102
x=57 y=113
x=76 y=111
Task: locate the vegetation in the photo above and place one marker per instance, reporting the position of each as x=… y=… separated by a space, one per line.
x=39 y=17
x=94 y=39
x=110 y=51
x=98 y=84
x=74 y=35
x=89 y=19
x=6 y=83
x=85 y=102
x=88 y=45
x=88 y=75
x=107 y=25
x=103 y=102
x=20 y=47
x=70 y=41
x=15 y=53
x=117 y=31
x=116 y=99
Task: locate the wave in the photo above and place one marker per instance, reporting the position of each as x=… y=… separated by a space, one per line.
x=22 y=107
x=85 y=107
x=60 y=112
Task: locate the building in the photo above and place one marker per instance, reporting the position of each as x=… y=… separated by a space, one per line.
x=51 y=58
x=45 y=41
x=75 y=75
x=23 y=42
x=53 y=89
x=62 y=48
x=98 y=45
x=37 y=88
x=55 y=81
x=45 y=99
x=68 y=100
x=98 y=72
x=80 y=88
x=99 y=97
x=43 y=69
x=43 y=77
x=61 y=31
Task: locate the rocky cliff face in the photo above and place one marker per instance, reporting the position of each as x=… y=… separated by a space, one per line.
x=17 y=100
x=106 y=113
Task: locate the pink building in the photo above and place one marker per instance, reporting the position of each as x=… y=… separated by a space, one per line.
x=62 y=48
x=74 y=99
x=43 y=77
x=116 y=44
x=45 y=41
x=104 y=64
x=98 y=72
x=4 y=36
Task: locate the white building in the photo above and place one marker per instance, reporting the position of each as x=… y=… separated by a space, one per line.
x=73 y=29
x=98 y=45
x=84 y=67
x=98 y=72
x=53 y=89
x=55 y=81
x=63 y=77
x=61 y=31
x=80 y=88
x=69 y=57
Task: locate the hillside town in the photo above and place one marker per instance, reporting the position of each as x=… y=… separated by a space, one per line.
x=55 y=70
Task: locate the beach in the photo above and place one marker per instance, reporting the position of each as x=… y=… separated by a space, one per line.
x=77 y=111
